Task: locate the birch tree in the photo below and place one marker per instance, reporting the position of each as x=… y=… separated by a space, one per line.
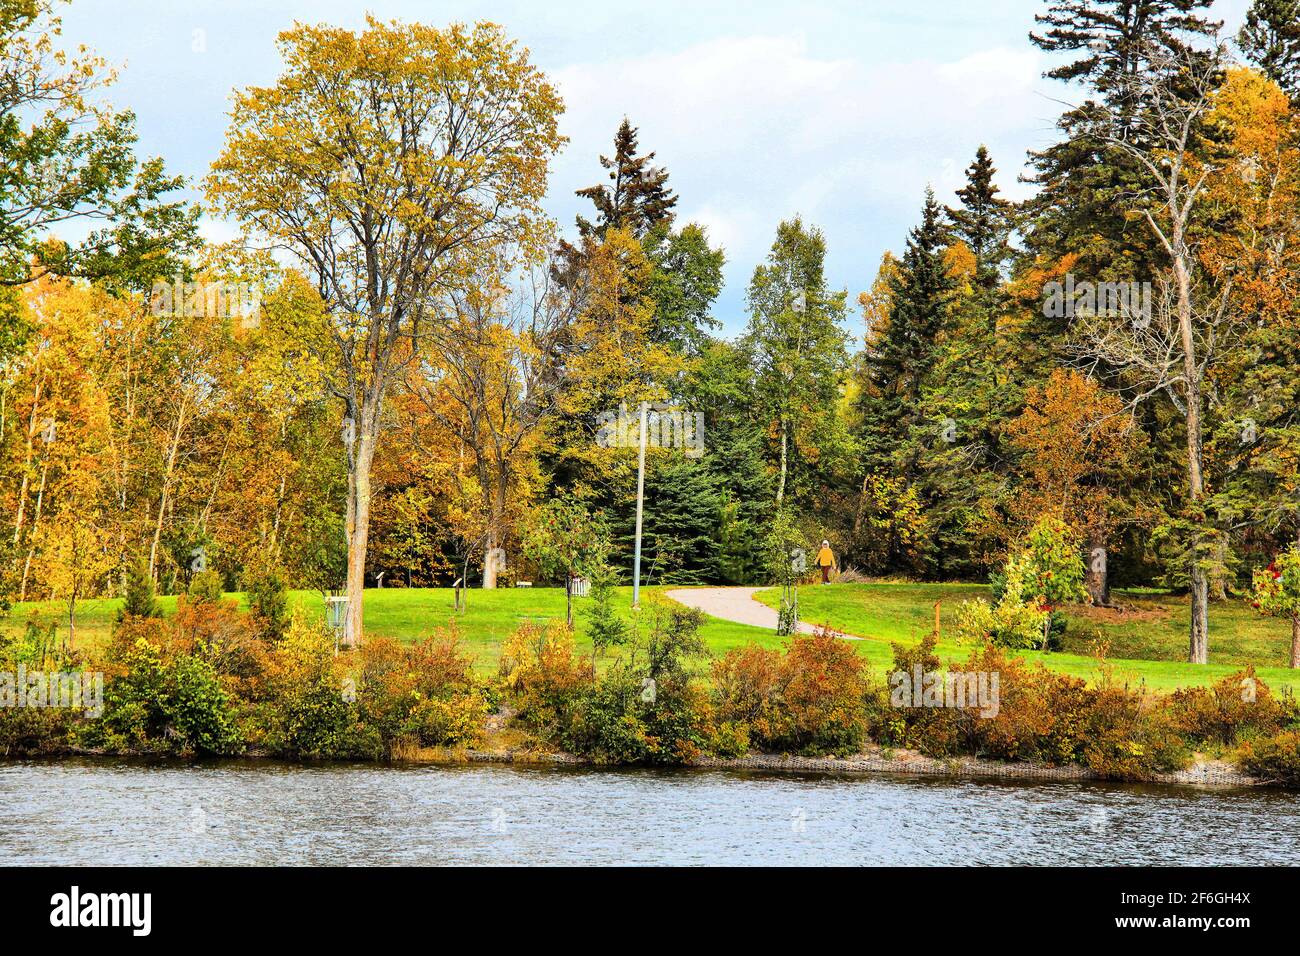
x=1171 y=351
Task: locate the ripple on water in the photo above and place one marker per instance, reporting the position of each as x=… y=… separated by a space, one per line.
x=240 y=812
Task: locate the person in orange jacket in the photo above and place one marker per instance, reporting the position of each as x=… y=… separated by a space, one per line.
x=826 y=561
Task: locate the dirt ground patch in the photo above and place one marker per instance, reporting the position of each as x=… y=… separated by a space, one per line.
x=1120 y=613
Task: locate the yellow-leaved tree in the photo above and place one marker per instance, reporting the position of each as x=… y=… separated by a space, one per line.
x=395 y=164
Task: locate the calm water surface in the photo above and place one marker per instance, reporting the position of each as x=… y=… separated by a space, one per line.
x=110 y=812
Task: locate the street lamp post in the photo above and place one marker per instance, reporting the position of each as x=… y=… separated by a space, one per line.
x=640 y=496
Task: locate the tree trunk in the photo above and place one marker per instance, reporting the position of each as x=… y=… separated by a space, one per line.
x=167 y=484
x=785 y=442
x=1295 y=641
x=490 y=561
x=358 y=521
x=36 y=520
x=1098 y=578
x=1198 y=650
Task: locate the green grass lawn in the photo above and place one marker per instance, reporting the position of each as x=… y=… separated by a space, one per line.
x=411 y=614
x=1147 y=641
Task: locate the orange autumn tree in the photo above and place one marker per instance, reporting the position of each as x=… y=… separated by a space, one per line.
x=1257 y=187
x=1078 y=446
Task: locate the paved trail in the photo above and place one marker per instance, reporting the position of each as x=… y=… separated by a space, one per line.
x=738 y=605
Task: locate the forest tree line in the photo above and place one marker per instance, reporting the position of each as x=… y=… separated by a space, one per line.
x=424 y=370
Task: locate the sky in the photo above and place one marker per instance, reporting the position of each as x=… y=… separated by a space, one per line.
x=841 y=112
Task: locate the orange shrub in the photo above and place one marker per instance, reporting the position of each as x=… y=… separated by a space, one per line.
x=808 y=700
x=1239 y=705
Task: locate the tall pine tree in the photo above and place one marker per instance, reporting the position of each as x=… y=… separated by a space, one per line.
x=637 y=197
x=900 y=361
x=983 y=221
x=1270 y=39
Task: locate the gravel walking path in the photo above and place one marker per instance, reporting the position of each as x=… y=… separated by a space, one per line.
x=738 y=605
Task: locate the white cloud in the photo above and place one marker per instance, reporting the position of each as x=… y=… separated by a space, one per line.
x=757 y=128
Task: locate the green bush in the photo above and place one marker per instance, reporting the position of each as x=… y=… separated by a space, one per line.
x=446 y=722
x=268 y=604
x=165 y=704
x=205 y=586
x=304 y=712
x=31 y=732
x=138 y=599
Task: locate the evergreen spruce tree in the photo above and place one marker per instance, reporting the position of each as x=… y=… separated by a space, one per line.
x=268 y=601
x=679 y=543
x=983 y=221
x=1078 y=208
x=897 y=428
x=605 y=626
x=138 y=598
x=637 y=197
x=1270 y=39
x=899 y=363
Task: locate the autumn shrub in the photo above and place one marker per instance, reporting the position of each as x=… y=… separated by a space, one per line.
x=622 y=718
x=1038 y=714
x=808 y=700
x=646 y=707
x=444 y=721
x=221 y=634
x=305 y=711
x=423 y=692
x=729 y=738
x=542 y=673
x=37 y=645
x=121 y=645
x=1275 y=758
x=41 y=731
x=747 y=685
x=823 y=695
x=1129 y=737
x=164 y=702
x=893 y=719
x=1237 y=707
x=607 y=722
x=37 y=730
x=1014 y=618
x=205 y=586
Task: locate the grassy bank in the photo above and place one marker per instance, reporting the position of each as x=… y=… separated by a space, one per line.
x=1146 y=640
x=409 y=615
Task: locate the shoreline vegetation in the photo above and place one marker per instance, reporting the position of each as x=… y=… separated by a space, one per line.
x=215 y=680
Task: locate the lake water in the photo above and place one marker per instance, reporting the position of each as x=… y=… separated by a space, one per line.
x=114 y=812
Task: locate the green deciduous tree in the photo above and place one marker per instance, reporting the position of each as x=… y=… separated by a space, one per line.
x=796 y=346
